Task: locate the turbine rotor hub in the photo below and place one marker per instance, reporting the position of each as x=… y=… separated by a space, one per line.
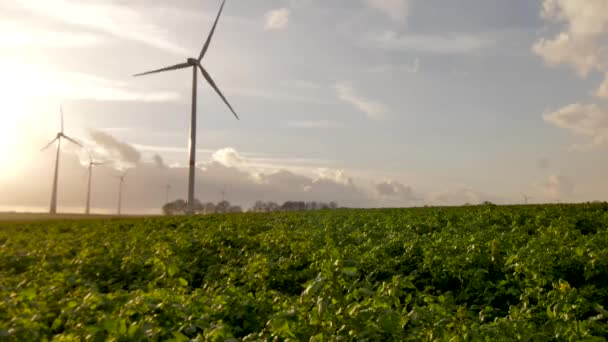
x=193 y=61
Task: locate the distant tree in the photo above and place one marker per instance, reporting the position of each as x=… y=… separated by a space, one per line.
x=196 y=207
x=260 y=207
x=208 y=208
x=311 y=205
x=333 y=205
x=177 y=207
x=272 y=206
x=235 y=209
x=222 y=207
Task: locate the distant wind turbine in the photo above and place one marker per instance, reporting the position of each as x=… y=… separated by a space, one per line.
x=526 y=198
x=92 y=163
x=60 y=135
x=121 y=181
x=195 y=63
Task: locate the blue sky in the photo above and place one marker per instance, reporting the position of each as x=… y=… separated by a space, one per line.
x=395 y=102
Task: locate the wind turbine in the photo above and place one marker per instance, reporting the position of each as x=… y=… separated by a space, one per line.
x=60 y=135
x=195 y=63
x=92 y=163
x=121 y=181
x=526 y=198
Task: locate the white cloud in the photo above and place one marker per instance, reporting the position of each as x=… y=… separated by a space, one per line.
x=581 y=43
x=29 y=80
x=334 y=175
x=582 y=53
x=590 y=121
x=435 y=44
x=345 y=92
x=396 y=10
x=277 y=19
x=394 y=189
x=114 y=19
x=228 y=157
x=557 y=187
x=145 y=181
x=602 y=91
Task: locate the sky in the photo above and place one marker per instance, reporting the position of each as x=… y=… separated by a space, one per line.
x=370 y=103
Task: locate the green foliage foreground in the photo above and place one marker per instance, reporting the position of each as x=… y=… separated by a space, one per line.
x=488 y=273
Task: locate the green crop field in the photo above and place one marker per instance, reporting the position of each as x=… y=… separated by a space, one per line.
x=483 y=273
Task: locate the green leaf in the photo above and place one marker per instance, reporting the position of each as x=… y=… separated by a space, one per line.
x=350 y=271
x=111 y=326
x=172 y=270
x=29 y=293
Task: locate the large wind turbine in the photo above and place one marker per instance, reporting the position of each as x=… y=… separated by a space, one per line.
x=121 y=180
x=195 y=63
x=60 y=135
x=92 y=163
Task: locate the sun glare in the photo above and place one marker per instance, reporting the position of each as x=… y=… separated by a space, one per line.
x=8 y=134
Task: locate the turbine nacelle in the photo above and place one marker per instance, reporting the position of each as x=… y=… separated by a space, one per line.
x=193 y=62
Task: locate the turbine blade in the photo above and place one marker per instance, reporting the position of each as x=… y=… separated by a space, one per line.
x=61 y=111
x=217 y=90
x=173 y=67
x=72 y=140
x=49 y=144
x=206 y=46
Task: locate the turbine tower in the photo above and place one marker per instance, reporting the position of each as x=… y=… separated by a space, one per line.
x=121 y=181
x=60 y=135
x=195 y=63
x=92 y=164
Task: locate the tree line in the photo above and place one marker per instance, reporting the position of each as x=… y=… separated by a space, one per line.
x=180 y=207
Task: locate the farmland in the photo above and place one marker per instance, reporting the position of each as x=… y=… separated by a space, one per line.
x=482 y=273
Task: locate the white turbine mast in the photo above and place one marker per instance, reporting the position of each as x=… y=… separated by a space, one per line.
x=60 y=135
x=92 y=164
x=195 y=63
x=121 y=182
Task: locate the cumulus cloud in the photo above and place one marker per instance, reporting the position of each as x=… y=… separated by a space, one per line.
x=121 y=153
x=590 y=121
x=346 y=92
x=333 y=175
x=228 y=157
x=145 y=182
x=277 y=19
x=579 y=44
x=396 y=10
x=394 y=189
x=557 y=187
